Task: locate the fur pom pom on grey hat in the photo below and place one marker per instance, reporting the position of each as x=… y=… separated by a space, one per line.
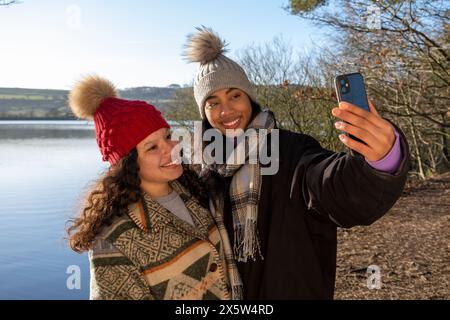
x=87 y=95
x=204 y=46
x=216 y=71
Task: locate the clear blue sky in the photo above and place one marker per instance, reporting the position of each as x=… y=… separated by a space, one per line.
x=133 y=43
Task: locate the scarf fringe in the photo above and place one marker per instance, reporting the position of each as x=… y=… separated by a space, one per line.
x=237 y=292
x=246 y=236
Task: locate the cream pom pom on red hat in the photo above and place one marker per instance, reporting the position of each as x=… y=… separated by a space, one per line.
x=119 y=124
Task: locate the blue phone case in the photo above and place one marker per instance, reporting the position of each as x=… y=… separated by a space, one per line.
x=356 y=91
x=350 y=88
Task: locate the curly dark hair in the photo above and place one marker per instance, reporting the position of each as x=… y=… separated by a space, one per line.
x=112 y=194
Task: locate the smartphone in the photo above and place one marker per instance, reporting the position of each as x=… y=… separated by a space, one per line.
x=350 y=88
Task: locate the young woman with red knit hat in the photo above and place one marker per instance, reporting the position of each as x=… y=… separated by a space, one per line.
x=146 y=225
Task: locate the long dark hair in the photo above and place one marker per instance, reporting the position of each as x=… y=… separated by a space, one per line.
x=112 y=194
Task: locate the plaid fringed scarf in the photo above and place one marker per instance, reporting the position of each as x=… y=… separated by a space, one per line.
x=245 y=190
x=232 y=270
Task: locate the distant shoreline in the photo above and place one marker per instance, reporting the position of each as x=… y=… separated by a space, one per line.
x=36 y=104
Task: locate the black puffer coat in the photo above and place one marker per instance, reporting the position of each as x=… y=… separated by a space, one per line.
x=314 y=192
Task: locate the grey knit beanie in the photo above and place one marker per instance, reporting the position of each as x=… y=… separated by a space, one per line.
x=216 y=71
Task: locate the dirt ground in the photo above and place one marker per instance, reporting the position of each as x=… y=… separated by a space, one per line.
x=410 y=244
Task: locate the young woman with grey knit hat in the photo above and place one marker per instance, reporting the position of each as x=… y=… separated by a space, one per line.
x=283 y=226
x=146 y=224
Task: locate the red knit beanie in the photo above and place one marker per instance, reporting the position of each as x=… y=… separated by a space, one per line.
x=119 y=124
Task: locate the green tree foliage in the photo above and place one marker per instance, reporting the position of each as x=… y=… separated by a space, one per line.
x=297 y=6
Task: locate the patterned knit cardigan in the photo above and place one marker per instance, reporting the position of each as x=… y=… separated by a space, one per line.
x=152 y=254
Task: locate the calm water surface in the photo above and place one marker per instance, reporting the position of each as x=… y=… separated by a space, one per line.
x=45 y=168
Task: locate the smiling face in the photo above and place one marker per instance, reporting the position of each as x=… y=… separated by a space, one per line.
x=156 y=168
x=228 y=109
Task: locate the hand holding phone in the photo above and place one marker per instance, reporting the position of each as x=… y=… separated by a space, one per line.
x=360 y=117
x=350 y=88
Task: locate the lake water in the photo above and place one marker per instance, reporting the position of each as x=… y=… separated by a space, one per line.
x=45 y=166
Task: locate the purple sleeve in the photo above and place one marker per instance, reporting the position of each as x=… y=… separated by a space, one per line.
x=391 y=160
